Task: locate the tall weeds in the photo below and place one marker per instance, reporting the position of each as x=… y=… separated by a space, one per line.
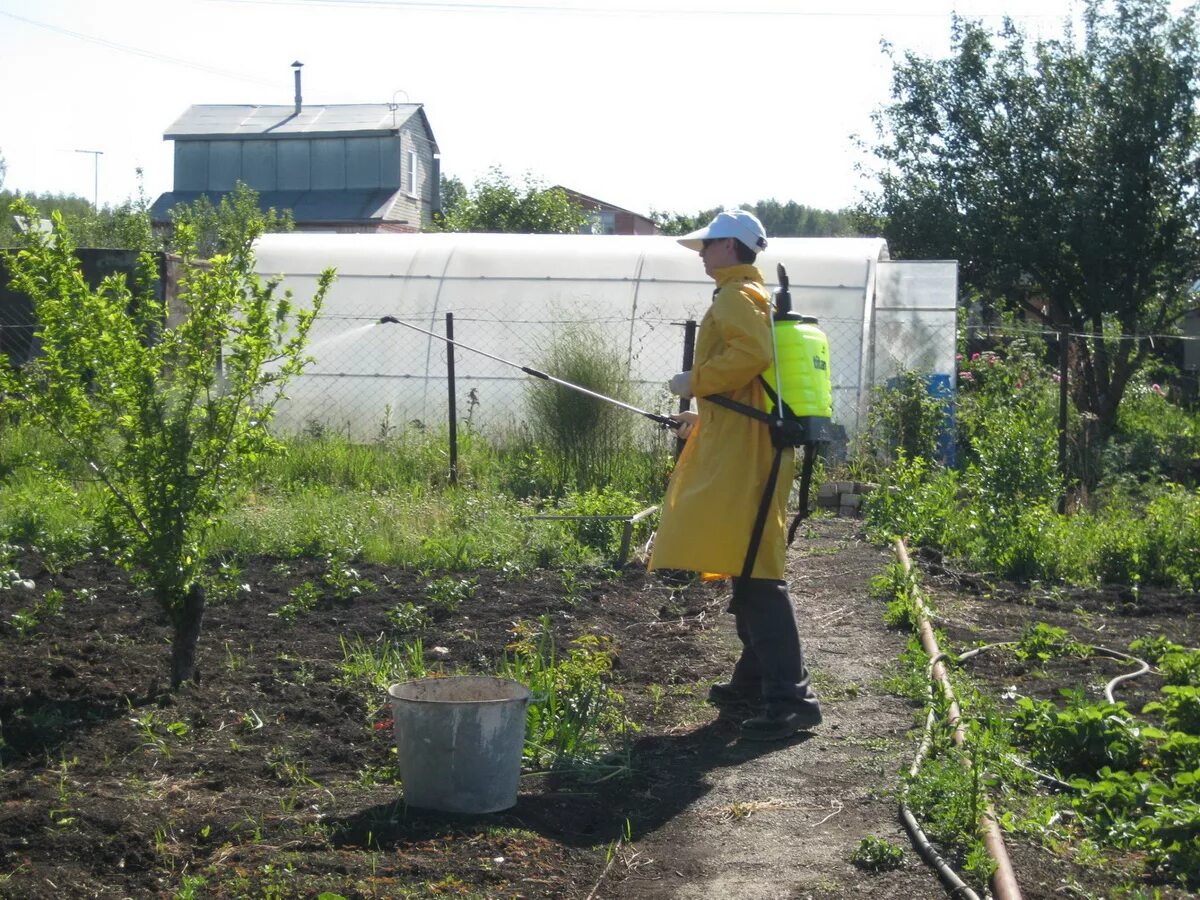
x=584 y=442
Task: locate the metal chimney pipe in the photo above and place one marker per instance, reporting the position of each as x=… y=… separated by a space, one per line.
x=296 y=66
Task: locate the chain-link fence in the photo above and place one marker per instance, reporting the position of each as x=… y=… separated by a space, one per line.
x=369 y=379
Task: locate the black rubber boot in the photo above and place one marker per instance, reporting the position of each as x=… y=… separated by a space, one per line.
x=730 y=694
x=781 y=720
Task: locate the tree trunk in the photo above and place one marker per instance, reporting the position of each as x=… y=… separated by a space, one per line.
x=187 y=636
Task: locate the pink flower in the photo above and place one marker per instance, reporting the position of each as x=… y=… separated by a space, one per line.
x=966 y=376
x=1156 y=389
x=958 y=356
x=975 y=356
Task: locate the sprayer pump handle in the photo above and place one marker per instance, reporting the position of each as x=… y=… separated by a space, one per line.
x=783 y=279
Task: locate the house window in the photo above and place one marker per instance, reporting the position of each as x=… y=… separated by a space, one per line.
x=412 y=173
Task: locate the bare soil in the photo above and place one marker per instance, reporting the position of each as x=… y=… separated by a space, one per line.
x=270 y=778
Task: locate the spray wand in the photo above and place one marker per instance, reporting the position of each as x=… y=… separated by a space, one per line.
x=664 y=421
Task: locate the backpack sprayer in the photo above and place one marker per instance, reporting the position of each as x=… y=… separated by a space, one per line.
x=799 y=392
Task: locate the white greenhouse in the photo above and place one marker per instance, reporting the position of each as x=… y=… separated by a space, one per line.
x=511 y=295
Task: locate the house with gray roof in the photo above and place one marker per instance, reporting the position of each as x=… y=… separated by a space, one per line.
x=359 y=167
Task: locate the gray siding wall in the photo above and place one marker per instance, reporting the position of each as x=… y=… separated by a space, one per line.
x=296 y=164
x=415 y=201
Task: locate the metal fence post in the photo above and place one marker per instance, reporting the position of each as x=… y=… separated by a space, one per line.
x=1063 y=368
x=689 y=353
x=452 y=410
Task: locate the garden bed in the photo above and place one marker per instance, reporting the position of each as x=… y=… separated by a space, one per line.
x=275 y=775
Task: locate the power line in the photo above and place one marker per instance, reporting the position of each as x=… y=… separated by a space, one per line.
x=473 y=6
x=138 y=51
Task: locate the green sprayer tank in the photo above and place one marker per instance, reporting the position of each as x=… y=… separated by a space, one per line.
x=802 y=358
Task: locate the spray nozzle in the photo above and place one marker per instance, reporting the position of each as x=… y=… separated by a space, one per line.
x=388 y=319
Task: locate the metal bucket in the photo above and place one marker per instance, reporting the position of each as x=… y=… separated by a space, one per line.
x=459 y=741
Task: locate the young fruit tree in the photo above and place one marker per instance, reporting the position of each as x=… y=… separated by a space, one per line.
x=168 y=417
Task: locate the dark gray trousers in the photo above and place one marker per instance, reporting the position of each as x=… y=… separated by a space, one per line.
x=772 y=659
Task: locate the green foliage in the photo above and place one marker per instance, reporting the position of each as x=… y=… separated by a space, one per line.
x=1180 y=707
x=407 y=616
x=341 y=578
x=228 y=229
x=898 y=588
x=789 y=219
x=909 y=679
x=1153 y=648
x=125 y=226
x=1006 y=420
x=876 y=854
x=575 y=717
x=1172 y=522
x=1144 y=812
x=948 y=797
x=40 y=510
x=1181 y=667
x=915 y=500
x=1127 y=539
x=1039 y=643
x=1080 y=739
x=585 y=440
x=602 y=535
x=1074 y=132
x=904 y=419
x=169 y=419
x=1153 y=436
x=445 y=596
x=495 y=203
x=304 y=597
x=373 y=668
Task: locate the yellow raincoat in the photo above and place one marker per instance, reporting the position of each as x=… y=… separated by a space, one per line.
x=715 y=490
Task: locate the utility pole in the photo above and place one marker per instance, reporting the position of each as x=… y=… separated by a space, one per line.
x=96 y=154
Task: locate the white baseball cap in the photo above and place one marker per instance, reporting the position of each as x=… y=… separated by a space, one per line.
x=738 y=224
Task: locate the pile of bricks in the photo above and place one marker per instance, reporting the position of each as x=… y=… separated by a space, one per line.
x=845 y=498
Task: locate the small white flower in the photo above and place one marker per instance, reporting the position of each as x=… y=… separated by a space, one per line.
x=442 y=652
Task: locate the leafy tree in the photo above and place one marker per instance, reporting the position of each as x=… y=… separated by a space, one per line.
x=682 y=223
x=1064 y=173
x=453 y=192
x=789 y=219
x=226 y=227
x=169 y=419
x=72 y=208
x=3 y=169
x=496 y=203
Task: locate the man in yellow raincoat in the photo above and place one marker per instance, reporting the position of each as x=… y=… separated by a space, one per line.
x=718 y=483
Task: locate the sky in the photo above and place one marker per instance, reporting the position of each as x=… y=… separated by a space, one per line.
x=668 y=105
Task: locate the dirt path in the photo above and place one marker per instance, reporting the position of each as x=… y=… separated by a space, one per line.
x=782 y=820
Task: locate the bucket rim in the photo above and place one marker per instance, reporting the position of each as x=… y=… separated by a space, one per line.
x=527 y=693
